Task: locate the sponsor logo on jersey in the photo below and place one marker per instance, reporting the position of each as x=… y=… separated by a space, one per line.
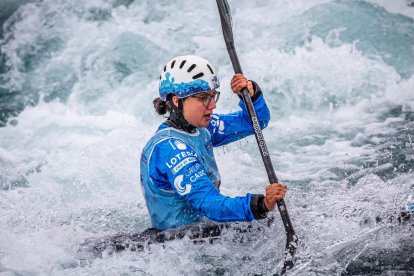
x=217 y=124
x=183 y=163
x=197 y=175
x=177 y=144
x=179 y=157
x=192 y=169
x=180 y=145
x=178 y=185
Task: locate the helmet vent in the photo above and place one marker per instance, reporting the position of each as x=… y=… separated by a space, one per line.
x=191 y=68
x=186 y=75
x=199 y=75
x=211 y=70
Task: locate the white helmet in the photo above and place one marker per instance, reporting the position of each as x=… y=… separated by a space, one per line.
x=187 y=75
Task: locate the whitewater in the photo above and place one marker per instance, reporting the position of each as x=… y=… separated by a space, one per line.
x=77 y=80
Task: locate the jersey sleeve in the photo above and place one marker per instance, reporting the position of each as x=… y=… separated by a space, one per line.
x=227 y=128
x=187 y=177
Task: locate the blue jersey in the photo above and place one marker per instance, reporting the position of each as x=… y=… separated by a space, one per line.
x=179 y=174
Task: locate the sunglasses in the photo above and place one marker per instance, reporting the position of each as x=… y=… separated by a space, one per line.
x=206 y=98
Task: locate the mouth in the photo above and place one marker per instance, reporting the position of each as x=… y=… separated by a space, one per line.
x=207 y=116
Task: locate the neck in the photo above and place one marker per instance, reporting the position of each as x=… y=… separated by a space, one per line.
x=176 y=119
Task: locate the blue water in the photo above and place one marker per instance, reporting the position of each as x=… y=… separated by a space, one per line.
x=77 y=79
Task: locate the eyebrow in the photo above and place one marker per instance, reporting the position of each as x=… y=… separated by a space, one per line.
x=207 y=93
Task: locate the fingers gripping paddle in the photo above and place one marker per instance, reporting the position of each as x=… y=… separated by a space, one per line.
x=291 y=242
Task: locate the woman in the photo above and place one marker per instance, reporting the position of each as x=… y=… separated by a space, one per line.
x=179 y=175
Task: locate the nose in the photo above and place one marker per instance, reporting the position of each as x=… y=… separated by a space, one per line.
x=212 y=104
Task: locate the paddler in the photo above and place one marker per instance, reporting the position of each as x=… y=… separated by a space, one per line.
x=179 y=175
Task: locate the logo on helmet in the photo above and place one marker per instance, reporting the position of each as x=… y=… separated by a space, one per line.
x=216 y=83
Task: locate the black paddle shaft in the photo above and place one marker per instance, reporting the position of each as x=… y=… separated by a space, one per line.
x=291 y=242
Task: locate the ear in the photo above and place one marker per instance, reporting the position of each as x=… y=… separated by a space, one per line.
x=175 y=100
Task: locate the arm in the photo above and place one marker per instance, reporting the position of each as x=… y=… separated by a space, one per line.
x=227 y=128
x=188 y=179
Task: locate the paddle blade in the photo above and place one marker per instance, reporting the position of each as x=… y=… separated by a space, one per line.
x=226 y=11
x=290 y=251
x=226 y=22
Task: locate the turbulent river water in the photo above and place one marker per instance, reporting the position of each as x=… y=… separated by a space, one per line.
x=77 y=79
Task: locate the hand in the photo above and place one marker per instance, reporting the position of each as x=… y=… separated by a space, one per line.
x=239 y=82
x=274 y=193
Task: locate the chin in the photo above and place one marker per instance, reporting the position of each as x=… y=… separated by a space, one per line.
x=204 y=124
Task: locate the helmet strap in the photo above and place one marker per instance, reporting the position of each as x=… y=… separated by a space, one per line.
x=176 y=118
x=181 y=104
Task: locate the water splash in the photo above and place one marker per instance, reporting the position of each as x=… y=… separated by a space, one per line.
x=77 y=81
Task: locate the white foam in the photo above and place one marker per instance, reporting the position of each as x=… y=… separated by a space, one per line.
x=70 y=166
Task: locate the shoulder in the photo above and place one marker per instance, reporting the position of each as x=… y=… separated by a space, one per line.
x=172 y=155
x=173 y=148
x=172 y=144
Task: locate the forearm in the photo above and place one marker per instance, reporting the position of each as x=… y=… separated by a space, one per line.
x=220 y=208
x=260 y=106
x=234 y=126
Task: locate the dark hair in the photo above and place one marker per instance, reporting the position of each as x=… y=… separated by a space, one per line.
x=160 y=106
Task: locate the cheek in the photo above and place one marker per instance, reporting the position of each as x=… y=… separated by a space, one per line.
x=192 y=110
x=196 y=113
